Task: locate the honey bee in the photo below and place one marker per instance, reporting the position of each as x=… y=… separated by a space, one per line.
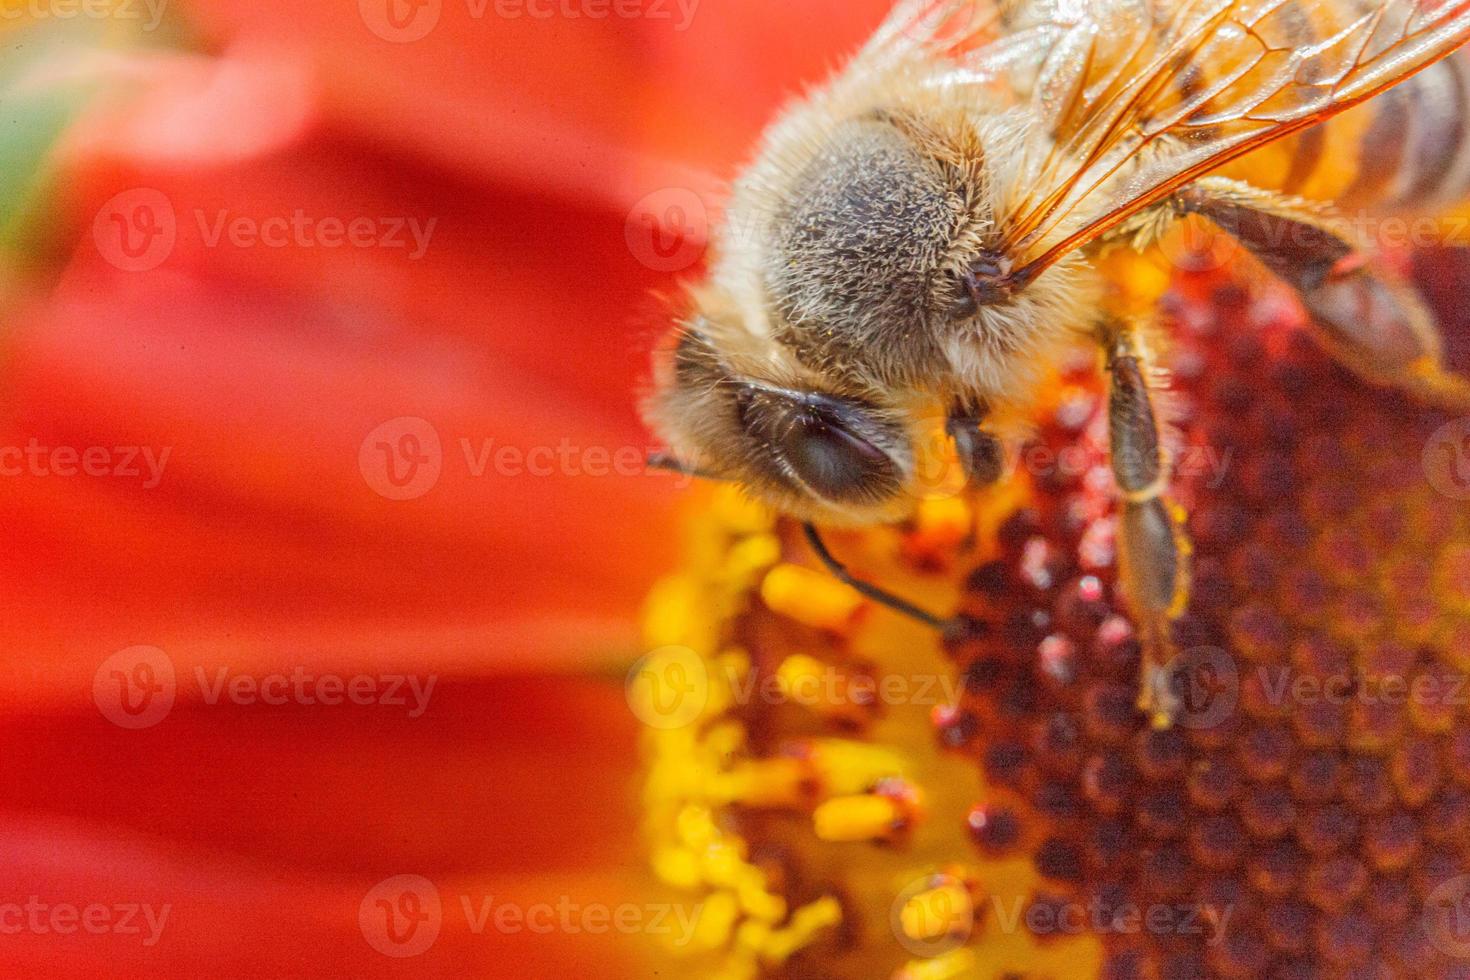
x=918 y=241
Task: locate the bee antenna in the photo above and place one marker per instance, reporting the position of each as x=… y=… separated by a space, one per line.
x=878 y=595
x=663 y=461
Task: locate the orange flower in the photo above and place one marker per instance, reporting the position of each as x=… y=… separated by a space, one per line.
x=860 y=798
x=326 y=551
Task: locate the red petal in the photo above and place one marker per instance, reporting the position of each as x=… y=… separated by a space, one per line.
x=557 y=97
x=255 y=858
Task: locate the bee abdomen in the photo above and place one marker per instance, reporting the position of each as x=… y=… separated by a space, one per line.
x=1415 y=153
x=1408 y=149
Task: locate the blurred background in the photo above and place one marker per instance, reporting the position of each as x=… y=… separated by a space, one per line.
x=320 y=468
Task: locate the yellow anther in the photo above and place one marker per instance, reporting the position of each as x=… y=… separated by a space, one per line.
x=806 y=680
x=941 y=911
x=810 y=597
x=724 y=740
x=806 y=922
x=675 y=615
x=845 y=767
x=762 y=783
x=956 y=963
x=695 y=826
x=738 y=513
x=715 y=922
x=724 y=864
x=676 y=866
x=758 y=902
x=754 y=937
x=751 y=556
x=856 y=818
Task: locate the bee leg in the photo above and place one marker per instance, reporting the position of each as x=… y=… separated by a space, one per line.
x=1153 y=547
x=981 y=454
x=1363 y=315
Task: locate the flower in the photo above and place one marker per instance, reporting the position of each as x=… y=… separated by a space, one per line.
x=860 y=797
x=189 y=781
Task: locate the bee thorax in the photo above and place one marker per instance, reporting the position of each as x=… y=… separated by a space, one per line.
x=851 y=262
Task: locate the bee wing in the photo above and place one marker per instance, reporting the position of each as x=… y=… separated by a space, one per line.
x=1133 y=98
x=951 y=30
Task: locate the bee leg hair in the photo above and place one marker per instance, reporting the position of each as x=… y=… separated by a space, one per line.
x=1153 y=546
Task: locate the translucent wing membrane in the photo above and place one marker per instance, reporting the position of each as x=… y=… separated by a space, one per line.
x=1133 y=98
x=952 y=29
x=1202 y=84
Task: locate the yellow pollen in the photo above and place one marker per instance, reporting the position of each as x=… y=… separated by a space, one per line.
x=810 y=597
x=957 y=963
x=856 y=818
x=847 y=768
x=940 y=911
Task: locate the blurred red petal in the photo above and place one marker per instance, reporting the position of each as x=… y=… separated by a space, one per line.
x=178 y=912
x=264 y=537
x=290 y=383
x=193 y=109
x=457 y=776
x=552 y=95
x=264 y=853
x=552 y=286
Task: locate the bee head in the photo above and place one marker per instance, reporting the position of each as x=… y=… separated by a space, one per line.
x=852 y=300
x=817 y=454
x=813 y=454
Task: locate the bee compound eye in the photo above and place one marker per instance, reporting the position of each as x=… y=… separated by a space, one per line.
x=833 y=461
x=831 y=445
